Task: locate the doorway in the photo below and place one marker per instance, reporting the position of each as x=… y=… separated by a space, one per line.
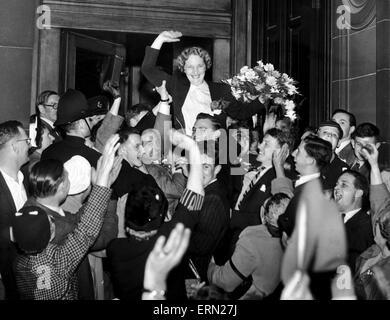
x=86 y=57
x=294 y=35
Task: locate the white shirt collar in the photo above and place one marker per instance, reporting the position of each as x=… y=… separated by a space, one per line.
x=307 y=178
x=8 y=177
x=212 y=181
x=60 y=211
x=350 y=214
x=343 y=144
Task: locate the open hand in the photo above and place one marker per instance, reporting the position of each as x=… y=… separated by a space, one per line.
x=371 y=154
x=270 y=122
x=279 y=157
x=165 y=256
x=170 y=36
x=106 y=161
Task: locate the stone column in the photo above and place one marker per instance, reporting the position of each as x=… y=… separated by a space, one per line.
x=17 y=25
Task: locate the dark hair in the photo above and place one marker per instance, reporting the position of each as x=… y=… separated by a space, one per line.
x=125 y=132
x=45 y=178
x=41 y=100
x=137 y=109
x=318 y=149
x=282 y=137
x=216 y=124
x=333 y=124
x=211 y=149
x=197 y=51
x=352 y=118
x=276 y=199
x=9 y=130
x=366 y=130
x=361 y=183
x=146 y=208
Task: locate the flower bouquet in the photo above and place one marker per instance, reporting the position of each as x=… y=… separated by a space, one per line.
x=268 y=85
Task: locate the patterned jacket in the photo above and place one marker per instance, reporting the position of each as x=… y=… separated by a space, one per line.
x=51 y=274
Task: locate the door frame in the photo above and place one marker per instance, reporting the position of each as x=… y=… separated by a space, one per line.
x=73 y=40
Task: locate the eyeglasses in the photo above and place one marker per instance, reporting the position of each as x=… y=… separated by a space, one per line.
x=28 y=140
x=54 y=106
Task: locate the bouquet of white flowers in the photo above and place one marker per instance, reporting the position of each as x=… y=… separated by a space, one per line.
x=268 y=85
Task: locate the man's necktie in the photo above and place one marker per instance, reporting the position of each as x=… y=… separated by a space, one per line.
x=252 y=183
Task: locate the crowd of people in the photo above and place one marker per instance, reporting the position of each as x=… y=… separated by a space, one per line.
x=184 y=201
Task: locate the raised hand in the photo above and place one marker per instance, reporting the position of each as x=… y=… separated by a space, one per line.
x=165 y=256
x=170 y=36
x=166 y=36
x=371 y=154
x=270 y=122
x=106 y=162
x=116 y=168
x=162 y=91
x=108 y=87
x=279 y=157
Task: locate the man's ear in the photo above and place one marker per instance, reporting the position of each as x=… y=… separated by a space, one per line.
x=359 y=193
x=41 y=109
x=217 y=170
x=310 y=161
x=121 y=151
x=217 y=134
x=377 y=145
x=352 y=130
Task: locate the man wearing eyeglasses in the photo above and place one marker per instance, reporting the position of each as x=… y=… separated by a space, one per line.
x=45 y=117
x=331 y=131
x=14 y=146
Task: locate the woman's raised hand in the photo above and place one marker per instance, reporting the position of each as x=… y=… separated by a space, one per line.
x=170 y=36
x=166 y=36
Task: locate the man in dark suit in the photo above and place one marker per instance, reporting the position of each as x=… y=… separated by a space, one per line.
x=45 y=117
x=257 y=184
x=347 y=122
x=312 y=155
x=332 y=132
x=14 y=146
x=215 y=214
x=350 y=194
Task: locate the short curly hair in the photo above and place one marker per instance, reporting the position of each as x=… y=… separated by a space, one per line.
x=198 y=51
